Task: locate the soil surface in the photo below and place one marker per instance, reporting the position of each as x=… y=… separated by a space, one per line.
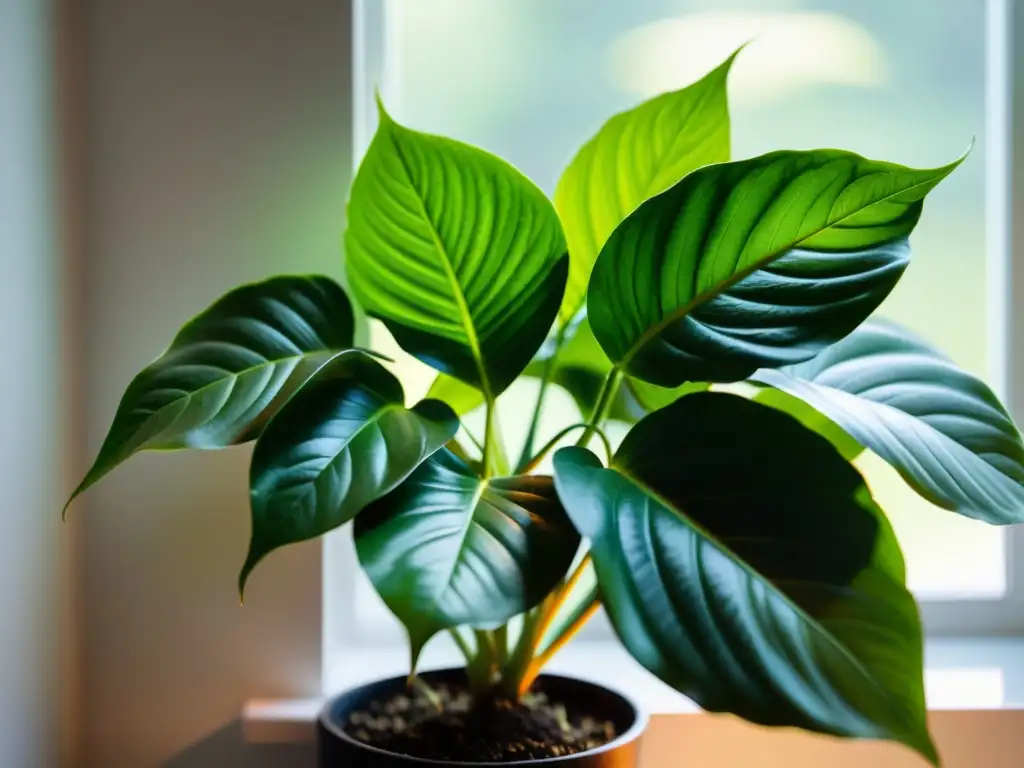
x=493 y=731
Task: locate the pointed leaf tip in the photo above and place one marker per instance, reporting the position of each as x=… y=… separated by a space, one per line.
x=446 y=248
x=851 y=236
x=634 y=156
x=727 y=64
x=382 y=112
x=251 y=561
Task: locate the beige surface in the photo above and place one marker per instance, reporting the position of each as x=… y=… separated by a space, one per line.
x=982 y=740
x=217 y=144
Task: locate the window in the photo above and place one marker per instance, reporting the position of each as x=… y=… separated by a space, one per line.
x=910 y=81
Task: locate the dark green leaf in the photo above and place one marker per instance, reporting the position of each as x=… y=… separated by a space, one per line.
x=344 y=440
x=634 y=156
x=448 y=548
x=459 y=254
x=849 y=448
x=741 y=559
x=942 y=428
x=229 y=369
x=756 y=263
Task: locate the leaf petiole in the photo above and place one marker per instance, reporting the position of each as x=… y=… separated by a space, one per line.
x=546 y=449
x=603 y=404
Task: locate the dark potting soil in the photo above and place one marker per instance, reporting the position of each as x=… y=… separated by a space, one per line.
x=496 y=731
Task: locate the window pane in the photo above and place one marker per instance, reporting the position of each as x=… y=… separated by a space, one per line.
x=904 y=81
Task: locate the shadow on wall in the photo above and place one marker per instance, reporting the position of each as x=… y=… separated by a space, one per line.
x=227 y=748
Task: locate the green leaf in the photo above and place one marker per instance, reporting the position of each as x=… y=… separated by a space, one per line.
x=757 y=263
x=344 y=440
x=459 y=254
x=634 y=156
x=940 y=427
x=651 y=397
x=848 y=448
x=580 y=368
x=757 y=581
x=229 y=369
x=461 y=397
x=448 y=548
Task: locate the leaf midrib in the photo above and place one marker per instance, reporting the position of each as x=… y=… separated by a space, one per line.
x=478 y=492
x=231 y=376
x=752 y=572
x=908 y=477
x=379 y=414
x=449 y=269
x=681 y=135
x=704 y=296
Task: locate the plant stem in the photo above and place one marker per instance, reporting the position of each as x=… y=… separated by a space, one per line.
x=473 y=440
x=557 y=601
x=525 y=469
x=479 y=668
x=522 y=654
x=539 y=661
x=605 y=398
x=550 y=366
x=501 y=644
x=431 y=695
x=463 y=646
x=486 y=661
x=488 y=457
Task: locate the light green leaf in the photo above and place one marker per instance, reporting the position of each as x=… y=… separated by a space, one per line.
x=634 y=156
x=448 y=548
x=461 y=397
x=229 y=369
x=757 y=581
x=459 y=254
x=757 y=263
x=940 y=427
x=651 y=397
x=344 y=440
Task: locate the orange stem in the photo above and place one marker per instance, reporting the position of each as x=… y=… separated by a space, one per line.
x=556 y=605
x=538 y=663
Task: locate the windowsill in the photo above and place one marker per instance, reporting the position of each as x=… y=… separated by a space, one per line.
x=961 y=675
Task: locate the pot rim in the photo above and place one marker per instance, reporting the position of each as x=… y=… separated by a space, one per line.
x=640 y=722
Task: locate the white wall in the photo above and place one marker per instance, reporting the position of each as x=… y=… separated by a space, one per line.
x=217 y=150
x=29 y=459
x=217 y=143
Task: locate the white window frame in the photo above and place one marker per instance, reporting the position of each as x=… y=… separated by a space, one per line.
x=375 y=67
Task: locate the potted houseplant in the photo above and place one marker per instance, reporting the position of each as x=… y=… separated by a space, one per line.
x=721 y=307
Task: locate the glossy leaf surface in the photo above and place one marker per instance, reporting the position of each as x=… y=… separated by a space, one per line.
x=229 y=369
x=459 y=254
x=942 y=428
x=344 y=440
x=634 y=156
x=755 y=580
x=448 y=549
x=756 y=263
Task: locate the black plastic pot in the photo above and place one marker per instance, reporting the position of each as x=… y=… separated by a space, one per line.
x=338 y=750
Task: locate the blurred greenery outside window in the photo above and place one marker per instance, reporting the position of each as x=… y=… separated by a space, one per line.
x=907 y=81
